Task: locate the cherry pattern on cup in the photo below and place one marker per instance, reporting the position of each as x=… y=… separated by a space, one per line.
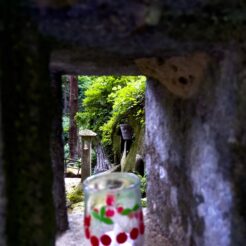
x=106 y=214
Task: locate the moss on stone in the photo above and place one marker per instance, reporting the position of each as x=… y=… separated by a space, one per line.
x=144 y=202
x=137 y=147
x=212 y=22
x=76 y=195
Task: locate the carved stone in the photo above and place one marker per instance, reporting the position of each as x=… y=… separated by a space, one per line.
x=182 y=75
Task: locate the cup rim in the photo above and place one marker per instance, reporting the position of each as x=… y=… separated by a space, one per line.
x=132 y=176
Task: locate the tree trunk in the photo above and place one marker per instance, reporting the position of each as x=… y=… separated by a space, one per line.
x=57 y=155
x=73 y=105
x=103 y=163
x=86 y=159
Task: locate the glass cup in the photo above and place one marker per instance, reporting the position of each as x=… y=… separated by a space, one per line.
x=113 y=214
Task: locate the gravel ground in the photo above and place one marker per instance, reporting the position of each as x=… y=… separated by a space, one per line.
x=70 y=183
x=75 y=235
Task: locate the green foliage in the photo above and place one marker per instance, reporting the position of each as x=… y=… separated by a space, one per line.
x=96 y=106
x=83 y=84
x=93 y=158
x=127 y=100
x=76 y=195
x=144 y=202
x=108 y=101
x=66 y=151
x=65 y=124
x=143 y=184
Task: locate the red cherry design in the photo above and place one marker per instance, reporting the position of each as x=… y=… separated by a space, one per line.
x=141 y=228
x=120 y=209
x=136 y=215
x=141 y=215
x=134 y=233
x=109 y=213
x=105 y=240
x=87 y=220
x=87 y=233
x=110 y=200
x=121 y=237
x=94 y=241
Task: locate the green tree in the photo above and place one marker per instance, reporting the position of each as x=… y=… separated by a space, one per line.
x=108 y=100
x=96 y=106
x=126 y=101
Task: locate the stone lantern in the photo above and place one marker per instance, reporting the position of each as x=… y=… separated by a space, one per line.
x=86 y=140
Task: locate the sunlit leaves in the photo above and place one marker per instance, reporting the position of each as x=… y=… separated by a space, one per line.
x=108 y=100
x=129 y=99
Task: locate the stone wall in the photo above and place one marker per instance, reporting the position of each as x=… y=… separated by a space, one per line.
x=57 y=156
x=194 y=179
x=27 y=110
x=2 y=193
x=195 y=137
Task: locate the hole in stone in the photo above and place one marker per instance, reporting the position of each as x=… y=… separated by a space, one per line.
x=182 y=80
x=191 y=78
x=94 y=110
x=160 y=61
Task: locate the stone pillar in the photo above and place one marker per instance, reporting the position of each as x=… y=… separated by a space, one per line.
x=85 y=158
x=26 y=117
x=57 y=156
x=195 y=155
x=2 y=186
x=86 y=139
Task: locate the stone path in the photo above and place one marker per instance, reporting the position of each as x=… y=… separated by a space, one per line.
x=75 y=235
x=70 y=183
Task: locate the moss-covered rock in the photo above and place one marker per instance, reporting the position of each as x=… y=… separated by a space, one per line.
x=76 y=195
x=137 y=147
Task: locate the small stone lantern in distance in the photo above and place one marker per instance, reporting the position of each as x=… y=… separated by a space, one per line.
x=86 y=140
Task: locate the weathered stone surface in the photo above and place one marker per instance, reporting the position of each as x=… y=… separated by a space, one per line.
x=196 y=146
x=2 y=187
x=181 y=75
x=190 y=162
x=26 y=123
x=57 y=156
x=87 y=133
x=89 y=32
x=136 y=150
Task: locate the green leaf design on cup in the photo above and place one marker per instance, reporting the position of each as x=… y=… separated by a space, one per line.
x=136 y=207
x=107 y=221
x=127 y=211
x=103 y=211
x=96 y=215
x=101 y=217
